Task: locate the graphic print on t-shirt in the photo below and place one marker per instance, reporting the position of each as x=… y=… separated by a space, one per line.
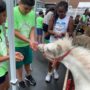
x=25 y=29
x=59 y=27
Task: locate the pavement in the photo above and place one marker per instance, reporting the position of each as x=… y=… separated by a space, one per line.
x=39 y=71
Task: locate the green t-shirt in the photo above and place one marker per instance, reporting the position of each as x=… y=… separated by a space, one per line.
x=84 y=18
x=23 y=24
x=3 y=52
x=39 y=22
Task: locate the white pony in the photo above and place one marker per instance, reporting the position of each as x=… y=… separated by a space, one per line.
x=77 y=60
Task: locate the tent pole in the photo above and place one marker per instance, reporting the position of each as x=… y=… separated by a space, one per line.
x=35 y=8
x=13 y=80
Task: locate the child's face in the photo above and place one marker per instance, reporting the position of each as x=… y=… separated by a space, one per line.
x=61 y=12
x=25 y=9
x=3 y=17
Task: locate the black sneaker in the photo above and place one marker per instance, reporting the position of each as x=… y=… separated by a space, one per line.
x=30 y=80
x=27 y=82
x=22 y=84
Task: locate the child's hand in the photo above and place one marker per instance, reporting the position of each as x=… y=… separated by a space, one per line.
x=34 y=45
x=57 y=60
x=54 y=63
x=19 y=56
x=57 y=35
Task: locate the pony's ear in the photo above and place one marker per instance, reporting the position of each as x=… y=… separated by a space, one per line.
x=68 y=38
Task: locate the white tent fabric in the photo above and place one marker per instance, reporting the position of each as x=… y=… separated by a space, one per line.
x=84 y=5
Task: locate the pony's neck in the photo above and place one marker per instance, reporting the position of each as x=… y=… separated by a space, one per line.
x=66 y=48
x=81 y=78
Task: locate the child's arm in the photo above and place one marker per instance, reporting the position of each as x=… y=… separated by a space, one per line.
x=51 y=25
x=33 y=43
x=70 y=27
x=18 y=56
x=32 y=34
x=20 y=36
x=4 y=58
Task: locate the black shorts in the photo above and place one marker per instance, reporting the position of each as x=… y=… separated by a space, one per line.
x=45 y=29
x=3 y=78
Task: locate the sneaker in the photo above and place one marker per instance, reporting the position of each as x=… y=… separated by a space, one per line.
x=30 y=80
x=27 y=83
x=56 y=75
x=22 y=84
x=48 y=77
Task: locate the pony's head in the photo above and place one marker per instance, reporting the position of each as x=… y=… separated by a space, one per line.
x=50 y=50
x=55 y=49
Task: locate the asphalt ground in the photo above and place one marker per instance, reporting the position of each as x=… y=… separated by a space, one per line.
x=39 y=71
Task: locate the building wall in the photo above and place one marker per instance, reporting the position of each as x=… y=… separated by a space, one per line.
x=74 y=3
x=51 y=1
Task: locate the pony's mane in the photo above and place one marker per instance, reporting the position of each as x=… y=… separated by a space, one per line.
x=65 y=43
x=80 y=53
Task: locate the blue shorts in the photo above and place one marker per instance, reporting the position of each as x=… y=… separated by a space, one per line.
x=39 y=31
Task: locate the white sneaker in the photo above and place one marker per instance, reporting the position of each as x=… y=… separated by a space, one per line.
x=48 y=77
x=56 y=75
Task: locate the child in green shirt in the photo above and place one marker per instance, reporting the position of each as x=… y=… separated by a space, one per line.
x=4 y=57
x=39 y=23
x=24 y=26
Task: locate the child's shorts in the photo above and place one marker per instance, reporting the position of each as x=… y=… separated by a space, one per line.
x=27 y=53
x=3 y=78
x=39 y=31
